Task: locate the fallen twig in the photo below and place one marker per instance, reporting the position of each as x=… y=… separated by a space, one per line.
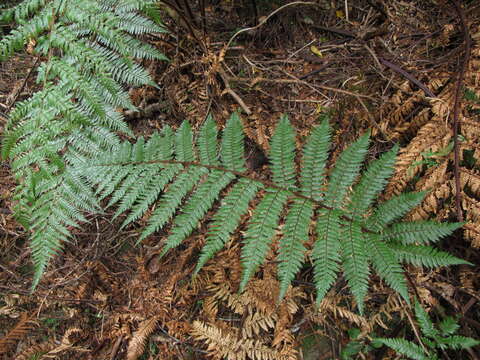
x=408 y=76
x=263 y=21
x=233 y=94
x=257 y=80
x=115 y=348
x=9 y=107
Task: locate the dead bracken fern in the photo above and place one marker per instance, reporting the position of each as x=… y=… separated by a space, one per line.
x=222 y=343
x=426 y=163
x=136 y=346
x=37 y=351
x=253 y=318
x=21 y=329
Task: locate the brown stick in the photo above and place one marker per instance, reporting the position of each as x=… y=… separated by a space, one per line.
x=190 y=13
x=408 y=76
x=256 y=80
x=456 y=107
x=204 y=18
x=233 y=94
x=9 y=107
x=115 y=348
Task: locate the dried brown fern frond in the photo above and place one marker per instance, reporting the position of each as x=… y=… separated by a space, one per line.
x=226 y=344
x=393 y=305
x=37 y=351
x=434 y=137
x=331 y=310
x=426 y=163
x=255 y=322
x=136 y=346
x=253 y=318
x=24 y=325
x=121 y=323
x=71 y=336
x=401 y=105
x=472 y=227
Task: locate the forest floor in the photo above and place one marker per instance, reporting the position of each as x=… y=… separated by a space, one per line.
x=407 y=70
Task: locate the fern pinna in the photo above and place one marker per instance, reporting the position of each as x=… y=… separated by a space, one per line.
x=85 y=49
x=184 y=179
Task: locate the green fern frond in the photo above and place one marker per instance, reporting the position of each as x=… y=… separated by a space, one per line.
x=456 y=342
x=265 y=219
x=59 y=205
x=420 y=232
x=123 y=6
x=232 y=147
x=152 y=182
x=86 y=52
x=394 y=209
x=208 y=191
x=227 y=219
x=22 y=11
x=372 y=183
x=425 y=256
x=184 y=143
x=432 y=339
x=172 y=199
x=426 y=324
x=282 y=154
x=207 y=142
x=314 y=159
x=448 y=326
x=355 y=261
x=326 y=254
x=345 y=171
x=236 y=202
x=166 y=173
x=135 y=185
x=386 y=265
x=291 y=250
x=260 y=232
x=196 y=207
x=32 y=28
x=138 y=25
x=405 y=347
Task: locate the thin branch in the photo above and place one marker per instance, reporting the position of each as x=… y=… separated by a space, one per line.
x=415 y=331
x=295 y=80
x=262 y=22
x=408 y=76
x=456 y=107
x=233 y=94
x=9 y=107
